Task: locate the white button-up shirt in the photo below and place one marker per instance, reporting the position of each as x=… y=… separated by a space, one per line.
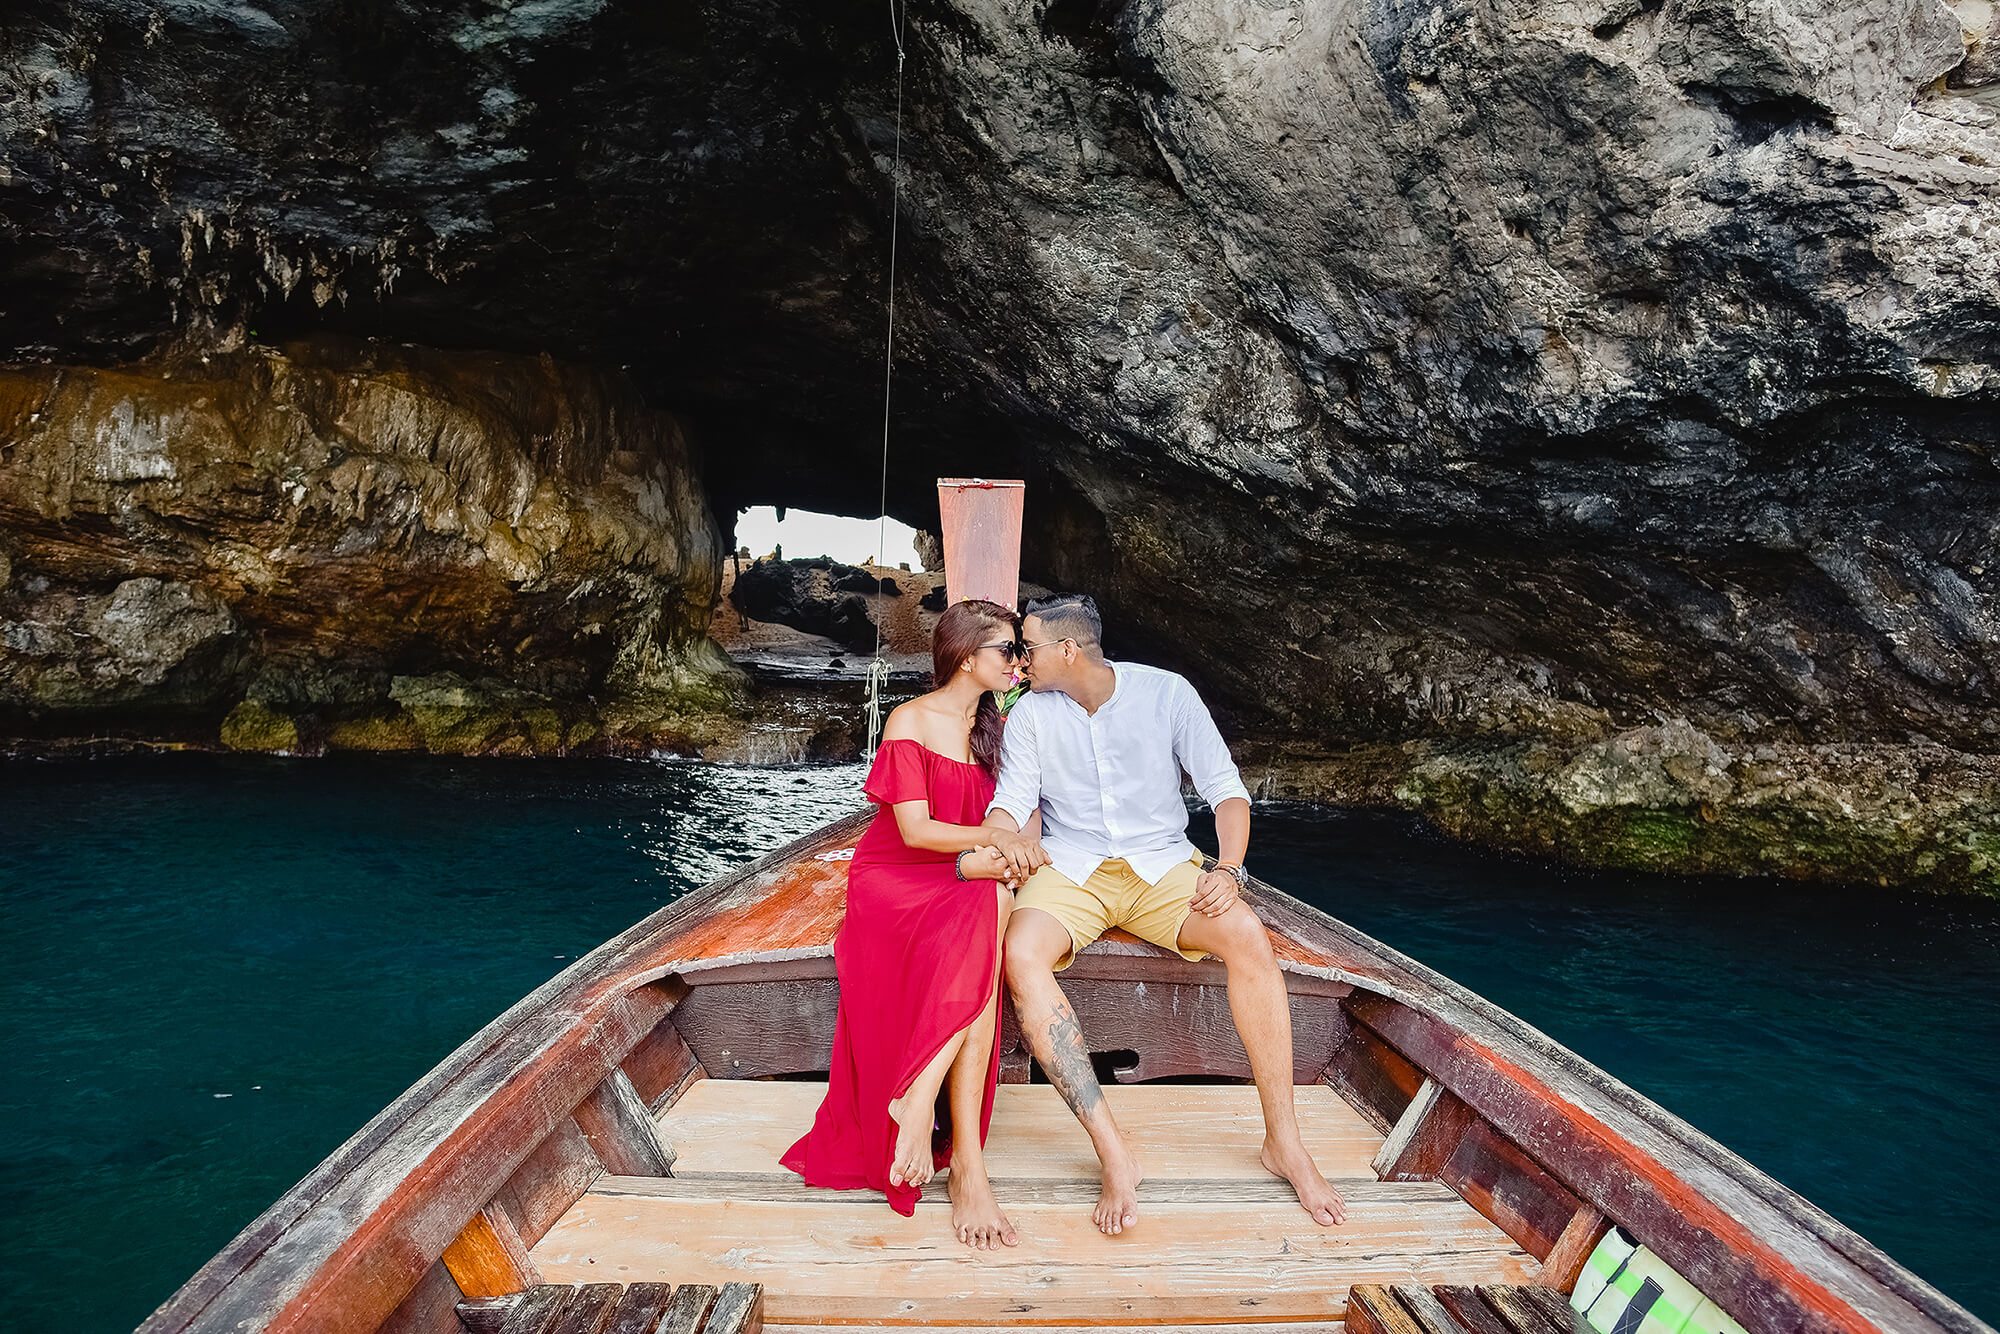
x=1109 y=783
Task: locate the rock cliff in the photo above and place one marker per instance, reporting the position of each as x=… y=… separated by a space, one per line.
x=349 y=545
x=1571 y=418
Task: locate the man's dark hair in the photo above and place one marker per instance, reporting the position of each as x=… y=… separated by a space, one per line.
x=1069 y=616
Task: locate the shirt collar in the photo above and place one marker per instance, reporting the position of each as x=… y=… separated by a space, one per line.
x=1117 y=688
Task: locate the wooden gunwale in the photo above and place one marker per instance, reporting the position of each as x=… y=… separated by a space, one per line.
x=347 y=1243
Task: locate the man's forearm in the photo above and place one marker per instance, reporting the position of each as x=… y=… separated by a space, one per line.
x=1232 y=830
x=1000 y=819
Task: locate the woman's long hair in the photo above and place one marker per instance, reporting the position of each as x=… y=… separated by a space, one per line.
x=960 y=631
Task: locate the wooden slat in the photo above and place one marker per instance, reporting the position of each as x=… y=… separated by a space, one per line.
x=746 y=1030
x=661 y=1063
x=1372 y=1076
x=488 y=1257
x=688 y=1309
x=640 y=1308
x=784 y=1187
x=1261 y=1327
x=1560 y=1314
x=739 y=1309
x=1185 y=1028
x=1427 y=1310
x=619 y=1126
x=1470 y=1309
x=431 y=1307
x=487 y=1315
x=1177 y=1129
x=588 y=1309
x=559 y=1170
x=539 y=1310
x=1509 y=1187
x=1424 y=1137
x=847 y=1258
x=1373 y=1309
x=1521 y=1315
x=1565 y=1262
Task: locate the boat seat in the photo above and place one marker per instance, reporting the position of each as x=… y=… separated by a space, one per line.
x=1412 y=1308
x=614 y=1308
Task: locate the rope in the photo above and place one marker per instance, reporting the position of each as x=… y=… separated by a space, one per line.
x=878 y=670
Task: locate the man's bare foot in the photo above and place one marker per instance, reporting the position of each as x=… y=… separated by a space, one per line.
x=910 y=1161
x=976 y=1219
x=1316 y=1195
x=1118 y=1203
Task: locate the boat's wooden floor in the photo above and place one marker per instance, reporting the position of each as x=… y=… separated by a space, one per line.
x=1219 y=1239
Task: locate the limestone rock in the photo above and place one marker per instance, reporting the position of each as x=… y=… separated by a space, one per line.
x=293 y=528
x=816 y=595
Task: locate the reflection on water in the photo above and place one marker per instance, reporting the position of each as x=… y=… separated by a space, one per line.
x=220 y=967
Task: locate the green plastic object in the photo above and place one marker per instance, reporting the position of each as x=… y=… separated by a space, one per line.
x=1626 y=1289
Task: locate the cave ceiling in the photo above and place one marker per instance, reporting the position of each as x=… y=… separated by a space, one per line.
x=1604 y=358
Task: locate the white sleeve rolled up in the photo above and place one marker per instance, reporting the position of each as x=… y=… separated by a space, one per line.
x=1199 y=747
x=1018 y=791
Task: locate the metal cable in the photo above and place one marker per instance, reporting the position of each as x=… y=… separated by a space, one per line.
x=878 y=670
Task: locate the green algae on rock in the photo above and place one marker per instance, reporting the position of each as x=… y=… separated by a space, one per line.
x=1671 y=798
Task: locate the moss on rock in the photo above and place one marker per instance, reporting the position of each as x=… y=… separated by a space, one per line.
x=253 y=725
x=1671 y=799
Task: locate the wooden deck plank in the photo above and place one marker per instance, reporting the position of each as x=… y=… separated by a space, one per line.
x=1178 y=1130
x=846 y=1258
x=785 y=1188
x=1260 y=1327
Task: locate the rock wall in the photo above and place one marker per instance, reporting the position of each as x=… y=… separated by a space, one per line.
x=1475 y=396
x=341 y=544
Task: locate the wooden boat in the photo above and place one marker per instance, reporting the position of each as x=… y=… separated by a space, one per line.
x=622 y=1124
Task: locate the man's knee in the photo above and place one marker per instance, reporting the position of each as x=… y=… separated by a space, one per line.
x=1239 y=939
x=1036 y=942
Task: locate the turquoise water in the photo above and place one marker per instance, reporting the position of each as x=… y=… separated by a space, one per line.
x=221 y=967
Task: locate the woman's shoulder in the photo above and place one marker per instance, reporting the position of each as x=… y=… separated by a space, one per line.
x=908 y=721
x=921 y=722
x=915 y=722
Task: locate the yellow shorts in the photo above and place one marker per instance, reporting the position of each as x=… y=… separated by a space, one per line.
x=1116 y=895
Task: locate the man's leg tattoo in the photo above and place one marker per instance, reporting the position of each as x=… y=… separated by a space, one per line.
x=1069 y=1067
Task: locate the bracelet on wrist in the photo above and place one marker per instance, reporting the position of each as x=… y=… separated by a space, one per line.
x=958 y=865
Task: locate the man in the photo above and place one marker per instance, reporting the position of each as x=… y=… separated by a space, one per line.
x=1098 y=747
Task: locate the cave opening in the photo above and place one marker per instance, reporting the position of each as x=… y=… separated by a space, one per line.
x=765 y=530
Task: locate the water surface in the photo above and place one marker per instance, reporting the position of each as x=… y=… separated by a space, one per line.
x=223 y=966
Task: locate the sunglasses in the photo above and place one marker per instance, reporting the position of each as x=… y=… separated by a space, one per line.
x=1026 y=649
x=1010 y=649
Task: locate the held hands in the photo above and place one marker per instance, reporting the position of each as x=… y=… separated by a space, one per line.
x=986 y=863
x=1214 y=894
x=1023 y=855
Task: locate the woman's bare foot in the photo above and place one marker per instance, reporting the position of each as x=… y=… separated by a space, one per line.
x=1118 y=1203
x=976 y=1219
x=1316 y=1195
x=910 y=1161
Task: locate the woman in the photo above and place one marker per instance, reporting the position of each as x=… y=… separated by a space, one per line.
x=918 y=956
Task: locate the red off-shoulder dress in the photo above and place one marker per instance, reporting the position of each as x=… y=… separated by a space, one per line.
x=915 y=958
